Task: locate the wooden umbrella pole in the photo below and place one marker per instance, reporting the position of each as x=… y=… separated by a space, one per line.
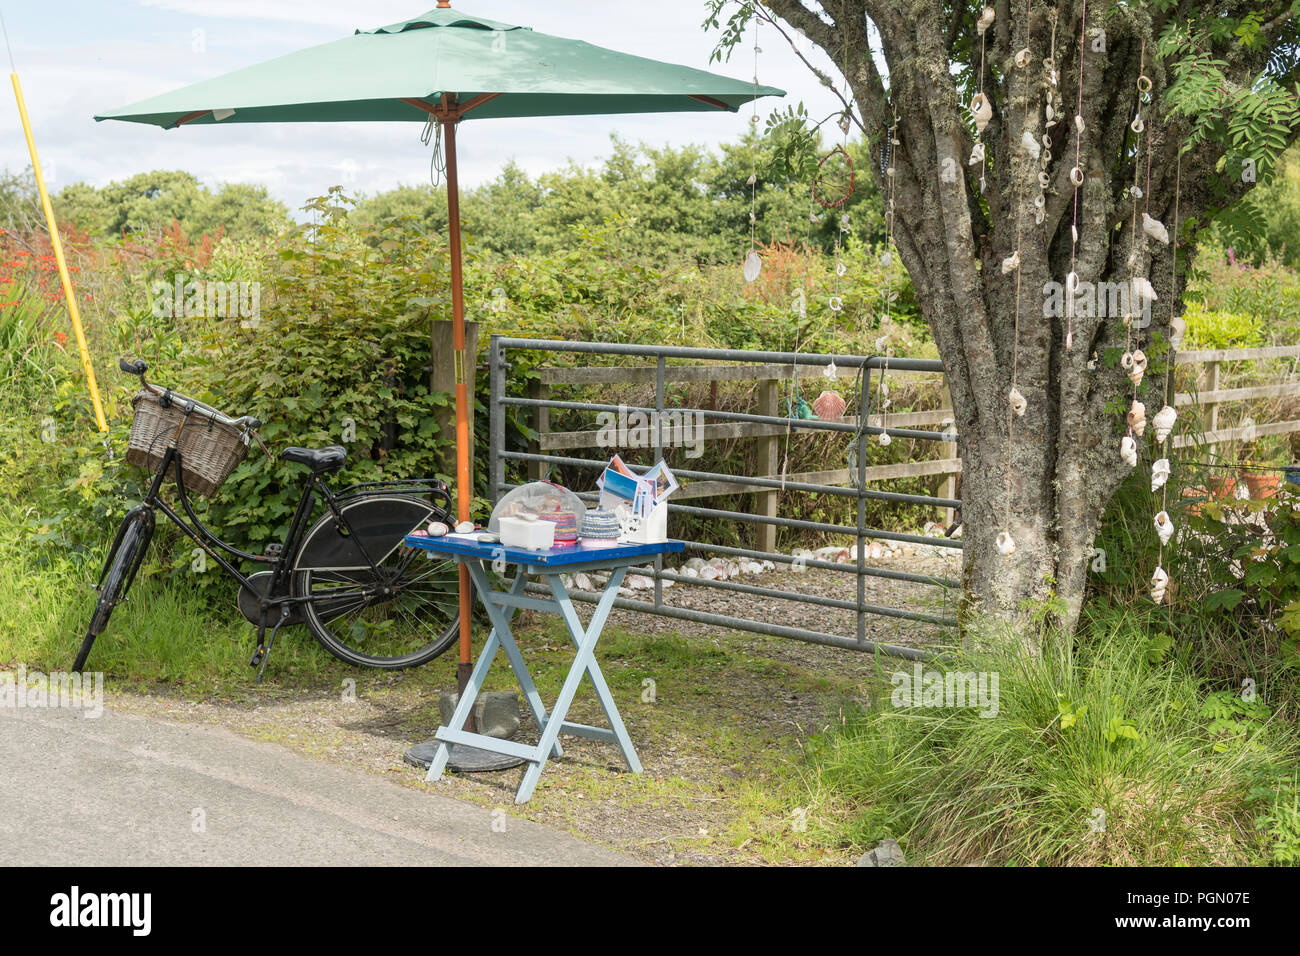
x=464 y=491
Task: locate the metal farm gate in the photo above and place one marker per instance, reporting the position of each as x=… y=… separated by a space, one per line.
x=692 y=365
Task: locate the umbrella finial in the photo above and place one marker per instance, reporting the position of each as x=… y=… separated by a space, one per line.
x=444 y=4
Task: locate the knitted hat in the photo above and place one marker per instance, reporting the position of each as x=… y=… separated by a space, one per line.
x=600 y=525
x=566 y=524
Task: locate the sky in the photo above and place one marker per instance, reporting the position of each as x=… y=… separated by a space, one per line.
x=100 y=55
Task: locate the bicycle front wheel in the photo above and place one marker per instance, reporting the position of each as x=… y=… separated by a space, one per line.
x=402 y=610
x=119 y=570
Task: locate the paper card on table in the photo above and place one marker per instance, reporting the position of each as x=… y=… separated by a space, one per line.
x=662 y=481
x=620 y=485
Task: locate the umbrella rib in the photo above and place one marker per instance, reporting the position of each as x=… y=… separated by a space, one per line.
x=709 y=100
x=454 y=112
x=190 y=117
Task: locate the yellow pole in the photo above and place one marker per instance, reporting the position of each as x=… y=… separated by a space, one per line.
x=58 y=257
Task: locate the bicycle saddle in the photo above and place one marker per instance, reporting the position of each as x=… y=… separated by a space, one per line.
x=319 y=460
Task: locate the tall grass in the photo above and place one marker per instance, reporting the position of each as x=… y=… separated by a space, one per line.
x=1102 y=752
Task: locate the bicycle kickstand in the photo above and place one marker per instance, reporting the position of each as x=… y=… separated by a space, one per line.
x=263 y=652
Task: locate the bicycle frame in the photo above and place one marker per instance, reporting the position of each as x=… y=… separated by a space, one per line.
x=282 y=562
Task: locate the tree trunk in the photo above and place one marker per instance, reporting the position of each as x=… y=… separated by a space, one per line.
x=1046 y=477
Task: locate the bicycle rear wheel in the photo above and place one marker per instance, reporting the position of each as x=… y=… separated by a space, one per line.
x=402 y=612
x=123 y=561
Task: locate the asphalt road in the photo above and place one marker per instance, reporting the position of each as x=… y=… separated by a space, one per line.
x=129 y=790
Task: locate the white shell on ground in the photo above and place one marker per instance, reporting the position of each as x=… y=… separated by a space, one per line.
x=1163 y=422
x=1164 y=527
x=1159 y=582
x=1128 y=451
x=753 y=265
x=1018 y=402
x=1137 y=417
x=1159 y=473
x=1011 y=263
x=1006 y=544
x=1155 y=229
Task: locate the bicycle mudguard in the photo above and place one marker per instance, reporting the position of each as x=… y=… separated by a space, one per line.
x=380 y=522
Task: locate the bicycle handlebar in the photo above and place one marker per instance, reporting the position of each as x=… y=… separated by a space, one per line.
x=193 y=405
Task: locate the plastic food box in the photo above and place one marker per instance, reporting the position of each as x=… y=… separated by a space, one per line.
x=528 y=533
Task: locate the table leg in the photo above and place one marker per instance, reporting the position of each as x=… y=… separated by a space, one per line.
x=472 y=687
x=592 y=634
x=500 y=618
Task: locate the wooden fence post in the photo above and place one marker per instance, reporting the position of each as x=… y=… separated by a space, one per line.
x=541 y=424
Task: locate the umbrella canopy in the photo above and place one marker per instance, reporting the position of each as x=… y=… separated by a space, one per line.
x=504 y=70
x=445 y=66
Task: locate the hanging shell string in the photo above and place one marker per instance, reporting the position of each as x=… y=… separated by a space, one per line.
x=883 y=345
x=1140 y=291
x=1167 y=416
x=1076 y=177
x=753 y=263
x=1052 y=111
x=1005 y=542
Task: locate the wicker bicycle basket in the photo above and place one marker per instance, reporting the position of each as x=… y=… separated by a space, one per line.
x=209 y=450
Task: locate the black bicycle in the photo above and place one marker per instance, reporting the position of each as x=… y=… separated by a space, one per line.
x=366 y=597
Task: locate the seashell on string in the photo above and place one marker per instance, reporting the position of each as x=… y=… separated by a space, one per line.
x=1074 y=232
x=1078 y=123
x=829 y=405
x=1023 y=57
x=1159 y=584
x=753 y=265
x=886 y=258
x=880 y=347
x=830 y=371
x=1143 y=290
x=884 y=438
x=1011 y=263
x=1159 y=473
x=1137 y=418
x=840 y=268
x=1076 y=176
x=751 y=180
x=976 y=155
x=1163 y=422
x=1138 y=369
x=1049 y=112
x=1030 y=143
x=985 y=21
x=1155 y=229
x=1044 y=180
x=1005 y=543
x=1126 y=360
x=1135 y=191
x=981 y=108
x=1164 y=527
x=1137 y=125
x=1128 y=451
x=1018 y=402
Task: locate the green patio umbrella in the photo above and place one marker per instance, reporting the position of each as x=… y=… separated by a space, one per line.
x=448 y=66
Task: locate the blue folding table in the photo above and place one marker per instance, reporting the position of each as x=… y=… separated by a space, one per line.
x=501 y=606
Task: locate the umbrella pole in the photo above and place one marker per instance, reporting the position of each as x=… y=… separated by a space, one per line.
x=464 y=491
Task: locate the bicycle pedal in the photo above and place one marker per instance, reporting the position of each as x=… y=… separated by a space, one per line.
x=273 y=551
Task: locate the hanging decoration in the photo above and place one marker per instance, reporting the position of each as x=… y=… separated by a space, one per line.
x=981 y=107
x=1163 y=421
x=883 y=345
x=1076 y=179
x=1017 y=401
x=1051 y=114
x=753 y=262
